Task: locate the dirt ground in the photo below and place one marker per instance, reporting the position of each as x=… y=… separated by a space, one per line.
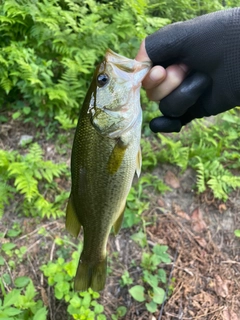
x=206 y=255
x=199 y=233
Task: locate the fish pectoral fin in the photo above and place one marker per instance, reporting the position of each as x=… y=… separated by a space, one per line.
x=72 y=223
x=91 y=276
x=139 y=162
x=116 y=157
x=118 y=223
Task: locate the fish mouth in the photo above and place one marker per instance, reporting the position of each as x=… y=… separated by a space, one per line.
x=113 y=124
x=124 y=63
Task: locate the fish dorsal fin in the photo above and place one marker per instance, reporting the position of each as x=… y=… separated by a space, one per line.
x=116 y=157
x=117 y=224
x=72 y=224
x=139 y=162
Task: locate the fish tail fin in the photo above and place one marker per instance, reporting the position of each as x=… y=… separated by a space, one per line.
x=91 y=276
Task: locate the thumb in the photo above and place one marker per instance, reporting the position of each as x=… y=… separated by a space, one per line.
x=142 y=53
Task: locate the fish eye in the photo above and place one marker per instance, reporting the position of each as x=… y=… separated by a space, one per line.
x=102 y=79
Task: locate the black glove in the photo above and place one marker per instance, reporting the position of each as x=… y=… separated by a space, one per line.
x=210 y=46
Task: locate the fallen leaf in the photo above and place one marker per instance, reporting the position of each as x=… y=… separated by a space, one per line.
x=183 y=215
x=198 y=224
x=172 y=180
x=229 y=315
x=222 y=207
x=161 y=203
x=205 y=299
x=177 y=210
x=202 y=242
x=221 y=286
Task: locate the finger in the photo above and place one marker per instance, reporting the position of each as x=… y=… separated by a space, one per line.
x=185 y=95
x=154 y=77
x=142 y=53
x=164 y=124
x=175 y=74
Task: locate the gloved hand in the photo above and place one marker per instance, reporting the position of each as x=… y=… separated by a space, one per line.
x=210 y=46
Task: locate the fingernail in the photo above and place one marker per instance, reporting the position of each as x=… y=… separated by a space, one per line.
x=156 y=74
x=184 y=67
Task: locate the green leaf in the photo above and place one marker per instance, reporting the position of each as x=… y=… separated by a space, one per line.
x=12 y=311
x=21 y=282
x=26 y=110
x=121 y=311
x=158 y=295
x=140 y=238
x=13 y=233
x=161 y=252
x=151 y=307
x=98 y=308
x=41 y=314
x=11 y=298
x=1 y=261
x=8 y=246
x=16 y=115
x=237 y=233
x=162 y=275
x=137 y=292
x=76 y=301
x=86 y=300
x=152 y=280
x=30 y=291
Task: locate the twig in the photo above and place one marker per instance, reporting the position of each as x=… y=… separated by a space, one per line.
x=52 y=251
x=36 y=230
x=230 y=261
x=34 y=271
x=33 y=245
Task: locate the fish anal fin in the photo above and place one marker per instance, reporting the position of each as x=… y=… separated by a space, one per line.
x=91 y=276
x=118 y=223
x=72 y=223
x=139 y=162
x=116 y=157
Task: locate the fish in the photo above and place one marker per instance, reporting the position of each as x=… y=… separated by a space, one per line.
x=105 y=156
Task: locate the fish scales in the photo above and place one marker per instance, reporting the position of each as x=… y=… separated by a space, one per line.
x=105 y=156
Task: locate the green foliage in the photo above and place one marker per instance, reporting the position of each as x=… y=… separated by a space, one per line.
x=32 y=175
x=126 y=279
x=60 y=275
x=49 y=49
x=121 y=311
x=21 y=303
x=150 y=291
x=206 y=146
x=237 y=233
x=216 y=177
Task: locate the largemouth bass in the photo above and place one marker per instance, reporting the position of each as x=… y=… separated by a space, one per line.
x=105 y=155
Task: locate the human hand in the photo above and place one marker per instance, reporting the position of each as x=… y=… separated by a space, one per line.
x=202 y=75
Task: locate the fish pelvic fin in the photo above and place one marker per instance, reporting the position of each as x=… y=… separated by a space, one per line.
x=91 y=276
x=72 y=223
x=139 y=162
x=118 y=223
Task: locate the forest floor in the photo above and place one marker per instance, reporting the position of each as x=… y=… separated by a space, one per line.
x=199 y=231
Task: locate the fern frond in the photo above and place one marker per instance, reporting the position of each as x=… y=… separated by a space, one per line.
x=200 y=175
x=27 y=185
x=6 y=192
